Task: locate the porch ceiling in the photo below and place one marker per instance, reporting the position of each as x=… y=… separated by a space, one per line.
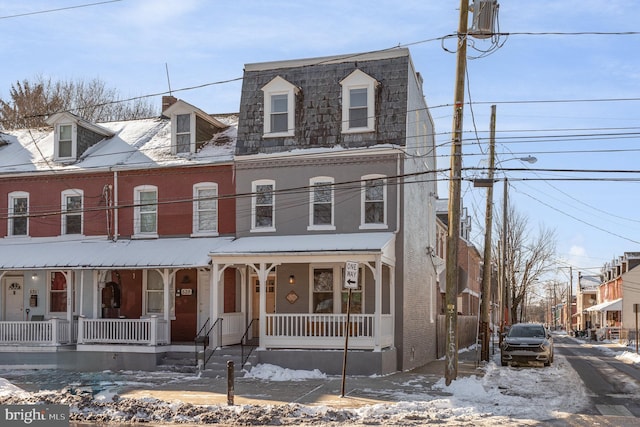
x=96 y=253
x=359 y=246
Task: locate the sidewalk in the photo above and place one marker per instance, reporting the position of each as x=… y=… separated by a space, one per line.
x=359 y=390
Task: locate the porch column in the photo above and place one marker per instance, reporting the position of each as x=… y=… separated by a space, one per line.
x=214 y=297
x=392 y=301
x=377 y=317
x=70 y=287
x=262 y=277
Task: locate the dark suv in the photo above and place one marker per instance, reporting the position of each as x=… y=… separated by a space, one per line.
x=527 y=343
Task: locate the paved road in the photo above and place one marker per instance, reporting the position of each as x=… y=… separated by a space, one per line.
x=612 y=385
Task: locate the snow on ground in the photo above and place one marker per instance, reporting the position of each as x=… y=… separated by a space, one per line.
x=500 y=396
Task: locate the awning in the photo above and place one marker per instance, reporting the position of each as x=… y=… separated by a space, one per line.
x=308 y=244
x=100 y=253
x=607 y=306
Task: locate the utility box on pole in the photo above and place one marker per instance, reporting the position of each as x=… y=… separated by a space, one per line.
x=485 y=13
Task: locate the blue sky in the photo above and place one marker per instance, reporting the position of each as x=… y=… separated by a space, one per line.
x=128 y=44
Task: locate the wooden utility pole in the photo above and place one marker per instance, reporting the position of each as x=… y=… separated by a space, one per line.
x=486 y=272
x=451 y=312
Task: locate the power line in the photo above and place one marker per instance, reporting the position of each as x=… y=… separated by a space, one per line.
x=58 y=10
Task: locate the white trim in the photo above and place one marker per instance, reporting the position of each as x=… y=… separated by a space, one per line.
x=312 y=184
x=74 y=142
x=64 y=213
x=373 y=226
x=254 y=200
x=137 y=211
x=358 y=80
x=336 y=289
x=196 y=232
x=10 y=213
x=279 y=86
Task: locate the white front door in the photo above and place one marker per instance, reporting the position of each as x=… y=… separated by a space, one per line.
x=13 y=298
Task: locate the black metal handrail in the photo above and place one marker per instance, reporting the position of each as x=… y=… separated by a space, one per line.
x=204 y=340
x=243 y=344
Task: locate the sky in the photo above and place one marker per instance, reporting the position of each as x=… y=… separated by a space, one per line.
x=564 y=76
x=497 y=396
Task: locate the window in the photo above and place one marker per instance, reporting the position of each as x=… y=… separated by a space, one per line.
x=154 y=293
x=183 y=133
x=18 y=214
x=279 y=108
x=321 y=204
x=205 y=208
x=263 y=206
x=65 y=144
x=322 y=298
x=146 y=210
x=373 y=201
x=72 y=212
x=58 y=293
x=358 y=102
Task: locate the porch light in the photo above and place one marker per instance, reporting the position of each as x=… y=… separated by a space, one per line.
x=34 y=276
x=292 y=280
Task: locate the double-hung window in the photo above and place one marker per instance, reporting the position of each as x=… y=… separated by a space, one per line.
x=72 y=211
x=321 y=203
x=154 y=293
x=18 y=214
x=358 y=102
x=373 y=202
x=183 y=133
x=322 y=295
x=279 y=108
x=146 y=211
x=205 y=208
x=263 y=206
x=65 y=144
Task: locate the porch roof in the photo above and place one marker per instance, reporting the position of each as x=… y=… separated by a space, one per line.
x=310 y=245
x=615 y=305
x=91 y=253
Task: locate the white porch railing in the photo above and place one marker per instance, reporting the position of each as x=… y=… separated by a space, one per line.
x=326 y=331
x=232 y=328
x=46 y=332
x=148 y=331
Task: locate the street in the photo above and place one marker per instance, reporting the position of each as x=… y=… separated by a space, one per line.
x=612 y=385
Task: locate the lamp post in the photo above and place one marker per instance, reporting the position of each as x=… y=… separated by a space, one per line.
x=504 y=294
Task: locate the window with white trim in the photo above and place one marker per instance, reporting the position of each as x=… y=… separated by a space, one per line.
x=322 y=291
x=154 y=293
x=321 y=203
x=263 y=206
x=18 y=224
x=183 y=133
x=72 y=208
x=146 y=211
x=279 y=108
x=65 y=147
x=205 y=208
x=358 y=102
x=373 y=202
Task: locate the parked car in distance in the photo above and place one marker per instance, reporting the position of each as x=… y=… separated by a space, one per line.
x=527 y=343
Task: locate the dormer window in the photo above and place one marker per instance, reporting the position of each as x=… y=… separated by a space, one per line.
x=65 y=141
x=183 y=133
x=191 y=128
x=358 y=103
x=279 y=108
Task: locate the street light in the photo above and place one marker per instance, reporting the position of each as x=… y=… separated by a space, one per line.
x=486 y=282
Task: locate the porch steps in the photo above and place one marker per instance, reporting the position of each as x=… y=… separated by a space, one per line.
x=215 y=367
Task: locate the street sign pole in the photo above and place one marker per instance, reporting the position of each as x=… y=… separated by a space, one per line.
x=350 y=283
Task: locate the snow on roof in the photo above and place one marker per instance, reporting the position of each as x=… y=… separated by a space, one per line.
x=37 y=253
x=353 y=242
x=142 y=143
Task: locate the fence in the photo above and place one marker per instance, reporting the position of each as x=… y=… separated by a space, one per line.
x=466 y=333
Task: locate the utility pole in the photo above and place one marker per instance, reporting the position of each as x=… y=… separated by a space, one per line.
x=451 y=312
x=505 y=282
x=486 y=272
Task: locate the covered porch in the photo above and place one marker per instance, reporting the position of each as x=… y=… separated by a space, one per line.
x=295 y=296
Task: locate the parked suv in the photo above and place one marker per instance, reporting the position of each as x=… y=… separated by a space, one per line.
x=527 y=343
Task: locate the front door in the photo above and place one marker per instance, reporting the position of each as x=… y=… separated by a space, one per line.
x=271 y=300
x=13 y=298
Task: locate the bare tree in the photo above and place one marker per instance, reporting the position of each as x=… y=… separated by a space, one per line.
x=528 y=256
x=32 y=101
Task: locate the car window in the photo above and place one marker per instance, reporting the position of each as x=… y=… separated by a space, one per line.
x=527 y=332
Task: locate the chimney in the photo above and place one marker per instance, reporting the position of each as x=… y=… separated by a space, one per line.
x=168 y=101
